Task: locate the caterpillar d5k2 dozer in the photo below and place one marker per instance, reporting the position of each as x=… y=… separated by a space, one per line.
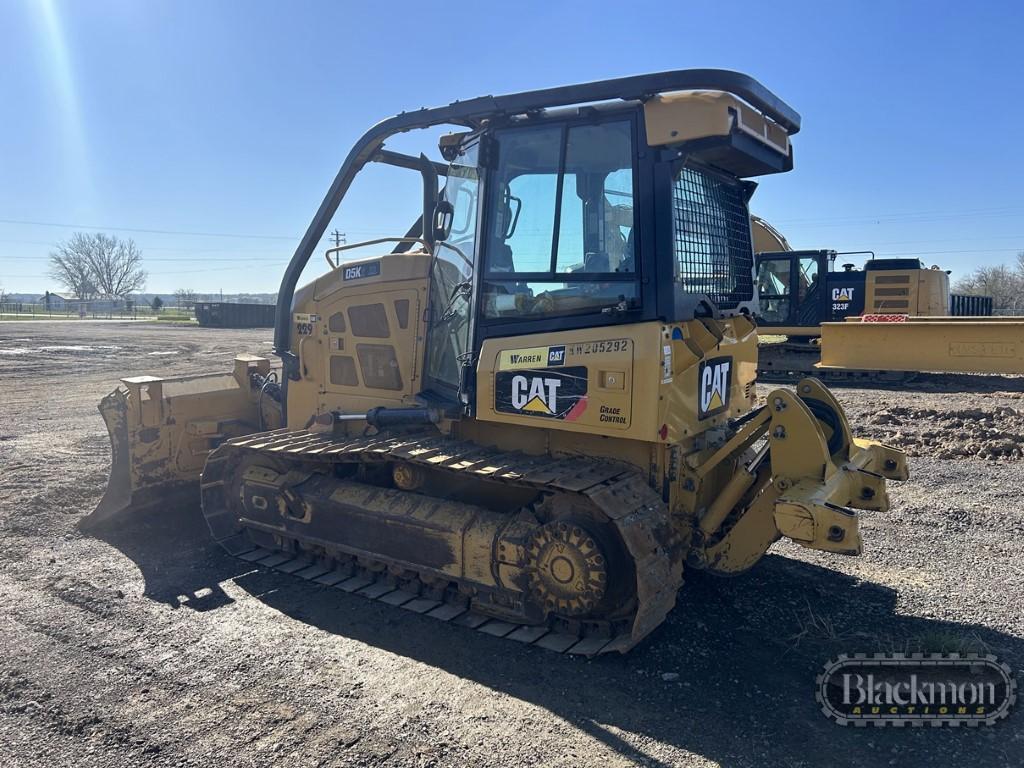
x=529 y=412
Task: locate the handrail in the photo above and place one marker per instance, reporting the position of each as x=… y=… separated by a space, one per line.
x=337 y=262
x=347 y=247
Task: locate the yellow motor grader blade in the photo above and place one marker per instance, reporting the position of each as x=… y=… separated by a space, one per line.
x=926 y=344
x=162 y=429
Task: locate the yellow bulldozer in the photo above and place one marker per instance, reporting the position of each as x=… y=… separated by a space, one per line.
x=530 y=411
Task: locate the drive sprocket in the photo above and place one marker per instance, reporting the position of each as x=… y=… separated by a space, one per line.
x=567 y=568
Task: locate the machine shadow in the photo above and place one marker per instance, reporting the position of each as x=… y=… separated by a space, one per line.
x=729 y=676
x=171 y=546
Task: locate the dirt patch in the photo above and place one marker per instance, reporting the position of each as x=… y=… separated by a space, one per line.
x=984 y=433
x=146 y=645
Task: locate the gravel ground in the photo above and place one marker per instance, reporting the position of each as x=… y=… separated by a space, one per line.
x=144 y=644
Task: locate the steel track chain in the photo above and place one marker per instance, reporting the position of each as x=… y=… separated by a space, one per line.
x=637 y=512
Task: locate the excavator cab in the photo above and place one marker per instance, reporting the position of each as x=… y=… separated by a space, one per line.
x=792 y=290
x=791 y=302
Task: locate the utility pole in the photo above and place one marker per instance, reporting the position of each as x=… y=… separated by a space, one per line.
x=339 y=238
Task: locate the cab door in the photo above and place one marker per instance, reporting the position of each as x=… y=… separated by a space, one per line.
x=774 y=288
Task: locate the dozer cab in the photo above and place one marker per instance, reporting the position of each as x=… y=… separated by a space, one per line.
x=528 y=412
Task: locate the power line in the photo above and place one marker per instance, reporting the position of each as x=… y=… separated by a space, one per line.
x=881 y=220
x=188 y=233
x=937 y=253
x=147 y=231
x=234 y=259
x=876 y=243
x=1000 y=210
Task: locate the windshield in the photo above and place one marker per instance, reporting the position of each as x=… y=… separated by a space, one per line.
x=561 y=236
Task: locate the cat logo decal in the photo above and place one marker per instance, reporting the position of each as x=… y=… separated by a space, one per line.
x=559 y=393
x=715 y=378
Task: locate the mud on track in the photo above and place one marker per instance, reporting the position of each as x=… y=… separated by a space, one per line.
x=146 y=645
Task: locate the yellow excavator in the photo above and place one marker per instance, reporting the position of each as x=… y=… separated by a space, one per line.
x=526 y=414
x=887 y=321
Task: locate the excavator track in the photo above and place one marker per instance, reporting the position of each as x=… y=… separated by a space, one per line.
x=636 y=511
x=787 y=362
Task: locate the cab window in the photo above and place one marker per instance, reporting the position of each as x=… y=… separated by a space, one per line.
x=448 y=338
x=773 y=288
x=561 y=236
x=808 y=277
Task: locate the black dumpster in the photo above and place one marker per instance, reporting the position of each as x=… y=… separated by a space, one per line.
x=962 y=305
x=220 y=314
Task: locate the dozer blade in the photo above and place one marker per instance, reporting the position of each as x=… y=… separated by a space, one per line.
x=161 y=430
x=118 y=495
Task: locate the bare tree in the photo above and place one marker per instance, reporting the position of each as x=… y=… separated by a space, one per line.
x=116 y=264
x=185 y=297
x=1004 y=284
x=70 y=268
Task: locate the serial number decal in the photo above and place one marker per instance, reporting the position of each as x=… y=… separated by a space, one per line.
x=599 y=347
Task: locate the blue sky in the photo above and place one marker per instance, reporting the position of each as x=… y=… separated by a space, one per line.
x=218 y=126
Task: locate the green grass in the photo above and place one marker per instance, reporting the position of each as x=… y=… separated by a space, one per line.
x=175 y=319
x=29 y=318
x=168 y=317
